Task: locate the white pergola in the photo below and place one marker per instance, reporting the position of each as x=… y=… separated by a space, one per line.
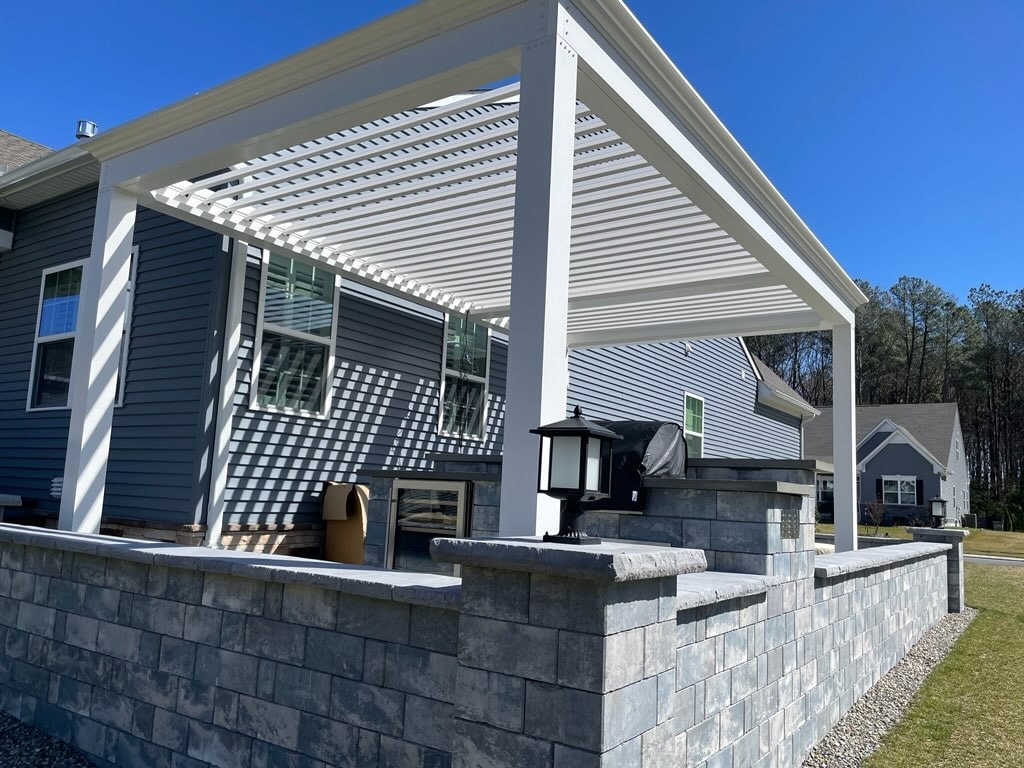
x=595 y=200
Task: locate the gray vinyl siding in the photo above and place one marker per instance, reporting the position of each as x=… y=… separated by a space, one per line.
x=898 y=459
x=647 y=382
x=957 y=476
x=384 y=410
x=153 y=469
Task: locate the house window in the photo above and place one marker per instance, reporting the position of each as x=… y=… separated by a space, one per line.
x=899 y=489
x=954 y=497
x=958 y=449
x=56 y=325
x=693 y=425
x=295 y=336
x=826 y=489
x=467 y=358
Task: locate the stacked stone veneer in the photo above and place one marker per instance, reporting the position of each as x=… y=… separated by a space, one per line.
x=541 y=655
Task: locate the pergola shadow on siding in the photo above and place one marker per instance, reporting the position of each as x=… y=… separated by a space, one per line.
x=591 y=199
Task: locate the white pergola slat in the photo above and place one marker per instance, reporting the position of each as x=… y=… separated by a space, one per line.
x=448 y=172
x=600 y=202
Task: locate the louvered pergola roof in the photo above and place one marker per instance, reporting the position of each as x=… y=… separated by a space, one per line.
x=423 y=203
x=675 y=233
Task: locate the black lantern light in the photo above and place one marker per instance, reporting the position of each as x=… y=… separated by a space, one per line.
x=938 y=512
x=575 y=466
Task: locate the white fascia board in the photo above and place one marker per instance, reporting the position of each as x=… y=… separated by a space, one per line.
x=790 y=322
x=663 y=79
x=887 y=424
x=750 y=360
x=780 y=401
x=897 y=436
x=374 y=72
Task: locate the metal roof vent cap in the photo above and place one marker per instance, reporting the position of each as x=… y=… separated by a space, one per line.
x=85 y=129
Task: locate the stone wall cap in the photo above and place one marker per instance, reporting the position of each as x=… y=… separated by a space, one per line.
x=432 y=590
x=610 y=561
x=697 y=589
x=944 y=534
x=845 y=563
x=740 y=486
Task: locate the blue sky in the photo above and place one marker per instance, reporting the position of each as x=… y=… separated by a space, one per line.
x=893 y=127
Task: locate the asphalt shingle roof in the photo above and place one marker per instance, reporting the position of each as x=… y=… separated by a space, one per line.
x=931 y=424
x=16 y=151
x=776 y=382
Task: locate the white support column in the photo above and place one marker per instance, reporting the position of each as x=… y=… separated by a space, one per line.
x=537 y=365
x=844 y=436
x=96 y=357
x=226 y=398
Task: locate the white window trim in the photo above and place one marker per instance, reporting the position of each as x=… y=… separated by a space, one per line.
x=703 y=421
x=819 y=487
x=899 y=495
x=445 y=372
x=257 y=352
x=123 y=361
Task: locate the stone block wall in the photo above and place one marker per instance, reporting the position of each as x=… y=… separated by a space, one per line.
x=156 y=655
x=544 y=655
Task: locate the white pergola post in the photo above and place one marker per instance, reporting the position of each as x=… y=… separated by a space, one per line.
x=844 y=436
x=101 y=315
x=537 y=363
x=226 y=399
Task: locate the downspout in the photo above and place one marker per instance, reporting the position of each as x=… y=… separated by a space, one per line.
x=226 y=399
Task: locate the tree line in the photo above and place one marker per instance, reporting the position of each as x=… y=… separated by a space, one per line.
x=915 y=343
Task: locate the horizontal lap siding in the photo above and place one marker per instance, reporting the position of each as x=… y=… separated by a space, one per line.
x=32 y=445
x=647 y=381
x=158 y=436
x=384 y=410
x=151 y=473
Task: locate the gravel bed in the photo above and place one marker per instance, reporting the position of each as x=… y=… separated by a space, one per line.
x=22 y=746
x=859 y=732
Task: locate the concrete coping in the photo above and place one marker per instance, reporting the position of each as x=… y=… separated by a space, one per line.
x=845 y=563
x=696 y=589
x=430 y=590
x=744 y=486
x=941 y=534
x=814 y=465
x=607 y=562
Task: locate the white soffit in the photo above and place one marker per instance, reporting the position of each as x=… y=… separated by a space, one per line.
x=422 y=203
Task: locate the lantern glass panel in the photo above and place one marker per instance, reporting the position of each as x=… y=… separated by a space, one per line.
x=593 y=464
x=565 y=462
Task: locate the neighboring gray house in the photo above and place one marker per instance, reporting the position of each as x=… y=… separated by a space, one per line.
x=907 y=455
x=349 y=379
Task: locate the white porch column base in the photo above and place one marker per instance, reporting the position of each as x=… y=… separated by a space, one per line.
x=537 y=363
x=844 y=436
x=96 y=357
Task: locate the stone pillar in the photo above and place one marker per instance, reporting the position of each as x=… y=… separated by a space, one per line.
x=954 y=559
x=566 y=655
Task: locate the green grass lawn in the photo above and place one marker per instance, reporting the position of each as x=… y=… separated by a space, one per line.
x=970 y=712
x=980 y=542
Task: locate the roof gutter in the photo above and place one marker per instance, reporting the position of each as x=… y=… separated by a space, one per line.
x=780 y=401
x=636 y=44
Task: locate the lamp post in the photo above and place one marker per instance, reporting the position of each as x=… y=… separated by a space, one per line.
x=938 y=511
x=575 y=466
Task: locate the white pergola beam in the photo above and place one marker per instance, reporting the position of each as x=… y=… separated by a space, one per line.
x=650 y=293
x=96 y=358
x=618 y=94
x=759 y=324
x=538 y=374
x=448 y=61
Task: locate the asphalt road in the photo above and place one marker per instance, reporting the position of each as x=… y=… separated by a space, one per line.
x=1011 y=561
